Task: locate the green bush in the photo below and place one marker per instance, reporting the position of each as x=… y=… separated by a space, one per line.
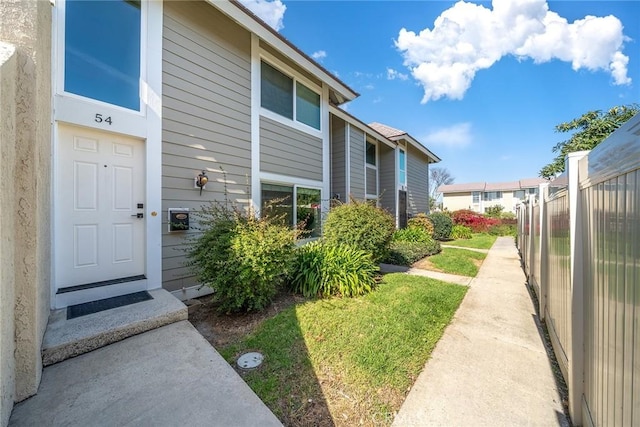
x=322 y=270
x=406 y=253
x=412 y=234
x=244 y=259
x=442 y=225
x=461 y=232
x=421 y=220
x=503 y=230
x=508 y=216
x=362 y=225
x=494 y=211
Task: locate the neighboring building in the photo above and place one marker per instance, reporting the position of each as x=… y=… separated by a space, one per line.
x=478 y=196
x=105 y=132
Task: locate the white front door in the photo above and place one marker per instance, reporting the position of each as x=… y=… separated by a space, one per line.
x=99 y=205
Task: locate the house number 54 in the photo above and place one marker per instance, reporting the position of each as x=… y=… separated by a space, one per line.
x=100 y=118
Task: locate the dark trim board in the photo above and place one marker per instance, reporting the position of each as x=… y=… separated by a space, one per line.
x=100 y=284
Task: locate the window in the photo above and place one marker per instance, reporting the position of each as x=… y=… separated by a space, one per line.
x=277 y=94
x=533 y=190
x=278 y=201
x=102 y=51
x=476 y=197
x=492 y=195
x=371 y=154
x=402 y=168
x=519 y=194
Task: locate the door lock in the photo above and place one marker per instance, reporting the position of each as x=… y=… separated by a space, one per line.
x=138 y=215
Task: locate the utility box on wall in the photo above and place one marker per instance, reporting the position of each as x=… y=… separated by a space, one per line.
x=178 y=219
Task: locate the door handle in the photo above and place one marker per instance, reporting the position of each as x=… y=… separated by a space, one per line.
x=138 y=215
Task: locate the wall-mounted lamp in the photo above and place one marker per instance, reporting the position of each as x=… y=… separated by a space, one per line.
x=336 y=196
x=201 y=181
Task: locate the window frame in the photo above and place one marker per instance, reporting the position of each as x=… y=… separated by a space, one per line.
x=296 y=78
x=402 y=172
x=371 y=168
x=294 y=215
x=475 y=194
x=60 y=64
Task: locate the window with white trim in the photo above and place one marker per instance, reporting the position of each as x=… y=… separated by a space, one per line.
x=402 y=167
x=279 y=94
x=476 y=197
x=371 y=170
x=293 y=205
x=102 y=51
x=490 y=196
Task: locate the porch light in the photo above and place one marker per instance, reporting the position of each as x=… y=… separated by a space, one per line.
x=201 y=181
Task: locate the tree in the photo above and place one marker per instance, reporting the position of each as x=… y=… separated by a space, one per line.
x=591 y=129
x=437 y=177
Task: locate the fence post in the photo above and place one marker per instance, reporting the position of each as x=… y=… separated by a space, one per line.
x=530 y=243
x=543 y=280
x=576 y=346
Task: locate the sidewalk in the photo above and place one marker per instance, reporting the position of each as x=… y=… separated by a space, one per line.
x=490 y=367
x=169 y=376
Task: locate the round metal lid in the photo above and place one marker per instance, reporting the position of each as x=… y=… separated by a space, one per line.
x=250 y=360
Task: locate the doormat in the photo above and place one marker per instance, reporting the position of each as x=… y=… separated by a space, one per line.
x=91 y=307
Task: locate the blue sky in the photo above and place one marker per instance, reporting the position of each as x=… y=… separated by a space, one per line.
x=485 y=83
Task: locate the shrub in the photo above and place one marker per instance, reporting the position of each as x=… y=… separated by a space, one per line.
x=406 y=253
x=244 y=259
x=503 y=230
x=494 y=211
x=442 y=225
x=475 y=221
x=421 y=220
x=412 y=234
x=461 y=232
x=508 y=216
x=322 y=269
x=362 y=225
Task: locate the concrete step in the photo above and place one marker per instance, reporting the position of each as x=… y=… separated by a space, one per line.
x=66 y=338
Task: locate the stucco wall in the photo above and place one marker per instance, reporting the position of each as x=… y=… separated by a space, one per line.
x=456 y=201
x=26 y=25
x=7 y=294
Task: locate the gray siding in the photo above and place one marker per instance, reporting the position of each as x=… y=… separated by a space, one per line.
x=338 y=160
x=356 y=174
x=387 y=172
x=288 y=151
x=206 y=122
x=417 y=181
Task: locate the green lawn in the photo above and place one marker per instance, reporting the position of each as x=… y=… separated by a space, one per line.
x=478 y=241
x=457 y=261
x=349 y=361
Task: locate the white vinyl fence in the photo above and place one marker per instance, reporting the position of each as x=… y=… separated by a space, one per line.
x=580 y=248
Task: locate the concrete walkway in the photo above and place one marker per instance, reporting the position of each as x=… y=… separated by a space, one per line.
x=445 y=277
x=169 y=376
x=490 y=368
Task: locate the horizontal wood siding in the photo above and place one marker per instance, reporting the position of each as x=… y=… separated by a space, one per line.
x=288 y=151
x=356 y=148
x=338 y=160
x=387 y=172
x=417 y=182
x=206 y=125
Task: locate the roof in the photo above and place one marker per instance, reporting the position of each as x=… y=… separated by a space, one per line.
x=346 y=116
x=492 y=186
x=396 y=134
x=247 y=19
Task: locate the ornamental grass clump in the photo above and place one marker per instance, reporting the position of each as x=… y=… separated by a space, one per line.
x=323 y=269
x=245 y=259
x=362 y=225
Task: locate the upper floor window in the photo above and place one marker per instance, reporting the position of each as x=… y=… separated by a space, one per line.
x=492 y=195
x=476 y=197
x=102 y=51
x=402 y=168
x=279 y=94
x=371 y=153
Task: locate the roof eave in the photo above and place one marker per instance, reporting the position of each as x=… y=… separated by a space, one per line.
x=246 y=19
x=432 y=157
x=369 y=130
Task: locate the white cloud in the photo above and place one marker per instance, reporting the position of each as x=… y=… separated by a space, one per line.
x=467 y=38
x=455 y=136
x=321 y=54
x=271 y=12
x=369 y=86
x=394 y=74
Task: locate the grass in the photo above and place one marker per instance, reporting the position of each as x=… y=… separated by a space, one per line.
x=478 y=241
x=457 y=261
x=349 y=361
